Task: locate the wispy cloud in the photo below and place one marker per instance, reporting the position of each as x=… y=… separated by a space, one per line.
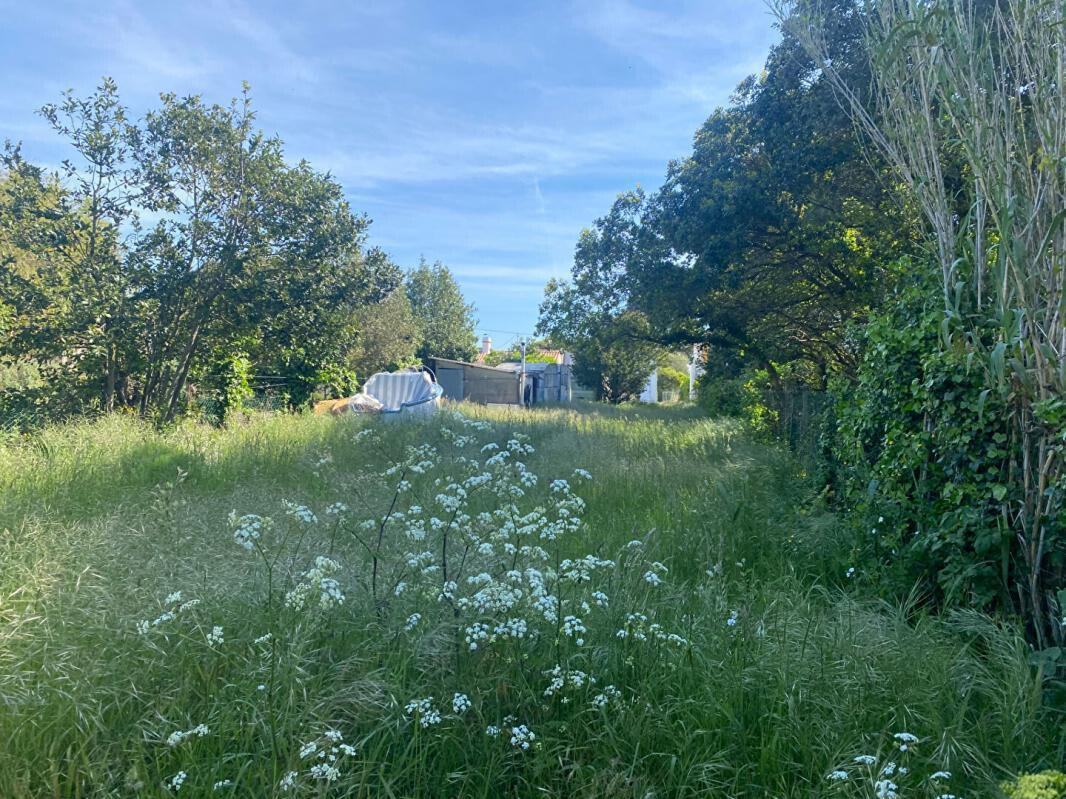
x=483 y=135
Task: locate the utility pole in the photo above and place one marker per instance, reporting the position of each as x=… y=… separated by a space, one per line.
x=522 y=374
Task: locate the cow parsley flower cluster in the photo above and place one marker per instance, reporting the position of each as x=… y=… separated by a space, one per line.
x=522 y=737
x=460 y=704
x=301 y=513
x=885 y=777
x=639 y=628
x=322 y=758
x=175 y=782
x=317 y=586
x=423 y=711
x=609 y=694
x=176 y=737
x=173 y=607
x=563 y=679
x=248 y=529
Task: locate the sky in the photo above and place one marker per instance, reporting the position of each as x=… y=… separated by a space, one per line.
x=485 y=135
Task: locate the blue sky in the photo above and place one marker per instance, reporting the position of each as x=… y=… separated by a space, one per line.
x=486 y=135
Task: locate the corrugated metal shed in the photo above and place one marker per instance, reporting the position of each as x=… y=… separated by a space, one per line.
x=474 y=382
x=544 y=382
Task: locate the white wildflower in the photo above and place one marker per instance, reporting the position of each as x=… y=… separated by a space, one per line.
x=573 y=627
x=300 y=512
x=215 y=636
x=475 y=634
x=461 y=703
x=176 y=737
x=248 y=529
x=522 y=737
x=288 y=781
x=324 y=771
x=176 y=781
x=609 y=693
x=425 y=712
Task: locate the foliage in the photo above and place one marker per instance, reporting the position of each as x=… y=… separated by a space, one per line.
x=926 y=463
x=245 y=248
x=969 y=105
x=671 y=379
x=618 y=359
x=114 y=517
x=747 y=396
x=386 y=336
x=772 y=234
x=232 y=375
x=1045 y=785
x=445 y=319
x=613 y=348
x=496 y=357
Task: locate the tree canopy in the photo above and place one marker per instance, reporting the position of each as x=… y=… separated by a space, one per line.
x=386 y=336
x=444 y=317
x=245 y=251
x=775 y=232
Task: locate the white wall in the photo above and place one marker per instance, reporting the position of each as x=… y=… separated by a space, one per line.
x=651 y=388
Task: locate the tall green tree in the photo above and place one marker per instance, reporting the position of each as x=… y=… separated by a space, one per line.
x=80 y=284
x=247 y=250
x=444 y=317
x=774 y=234
x=386 y=336
x=613 y=348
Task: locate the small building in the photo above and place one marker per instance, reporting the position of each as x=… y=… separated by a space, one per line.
x=545 y=382
x=503 y=384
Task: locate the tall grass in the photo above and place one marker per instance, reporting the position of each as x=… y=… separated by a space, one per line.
x=785 y=675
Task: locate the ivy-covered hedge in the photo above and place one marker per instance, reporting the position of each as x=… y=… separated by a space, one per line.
x=920 y=457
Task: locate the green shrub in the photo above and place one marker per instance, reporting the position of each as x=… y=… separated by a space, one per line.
x=1045 y=785
x=922 y=458
x=671 y=379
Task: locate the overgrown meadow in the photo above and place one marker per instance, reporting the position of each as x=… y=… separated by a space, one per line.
x=604 y=602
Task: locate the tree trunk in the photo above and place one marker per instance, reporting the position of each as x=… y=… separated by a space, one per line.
x=110 y=378
x=182 y=374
